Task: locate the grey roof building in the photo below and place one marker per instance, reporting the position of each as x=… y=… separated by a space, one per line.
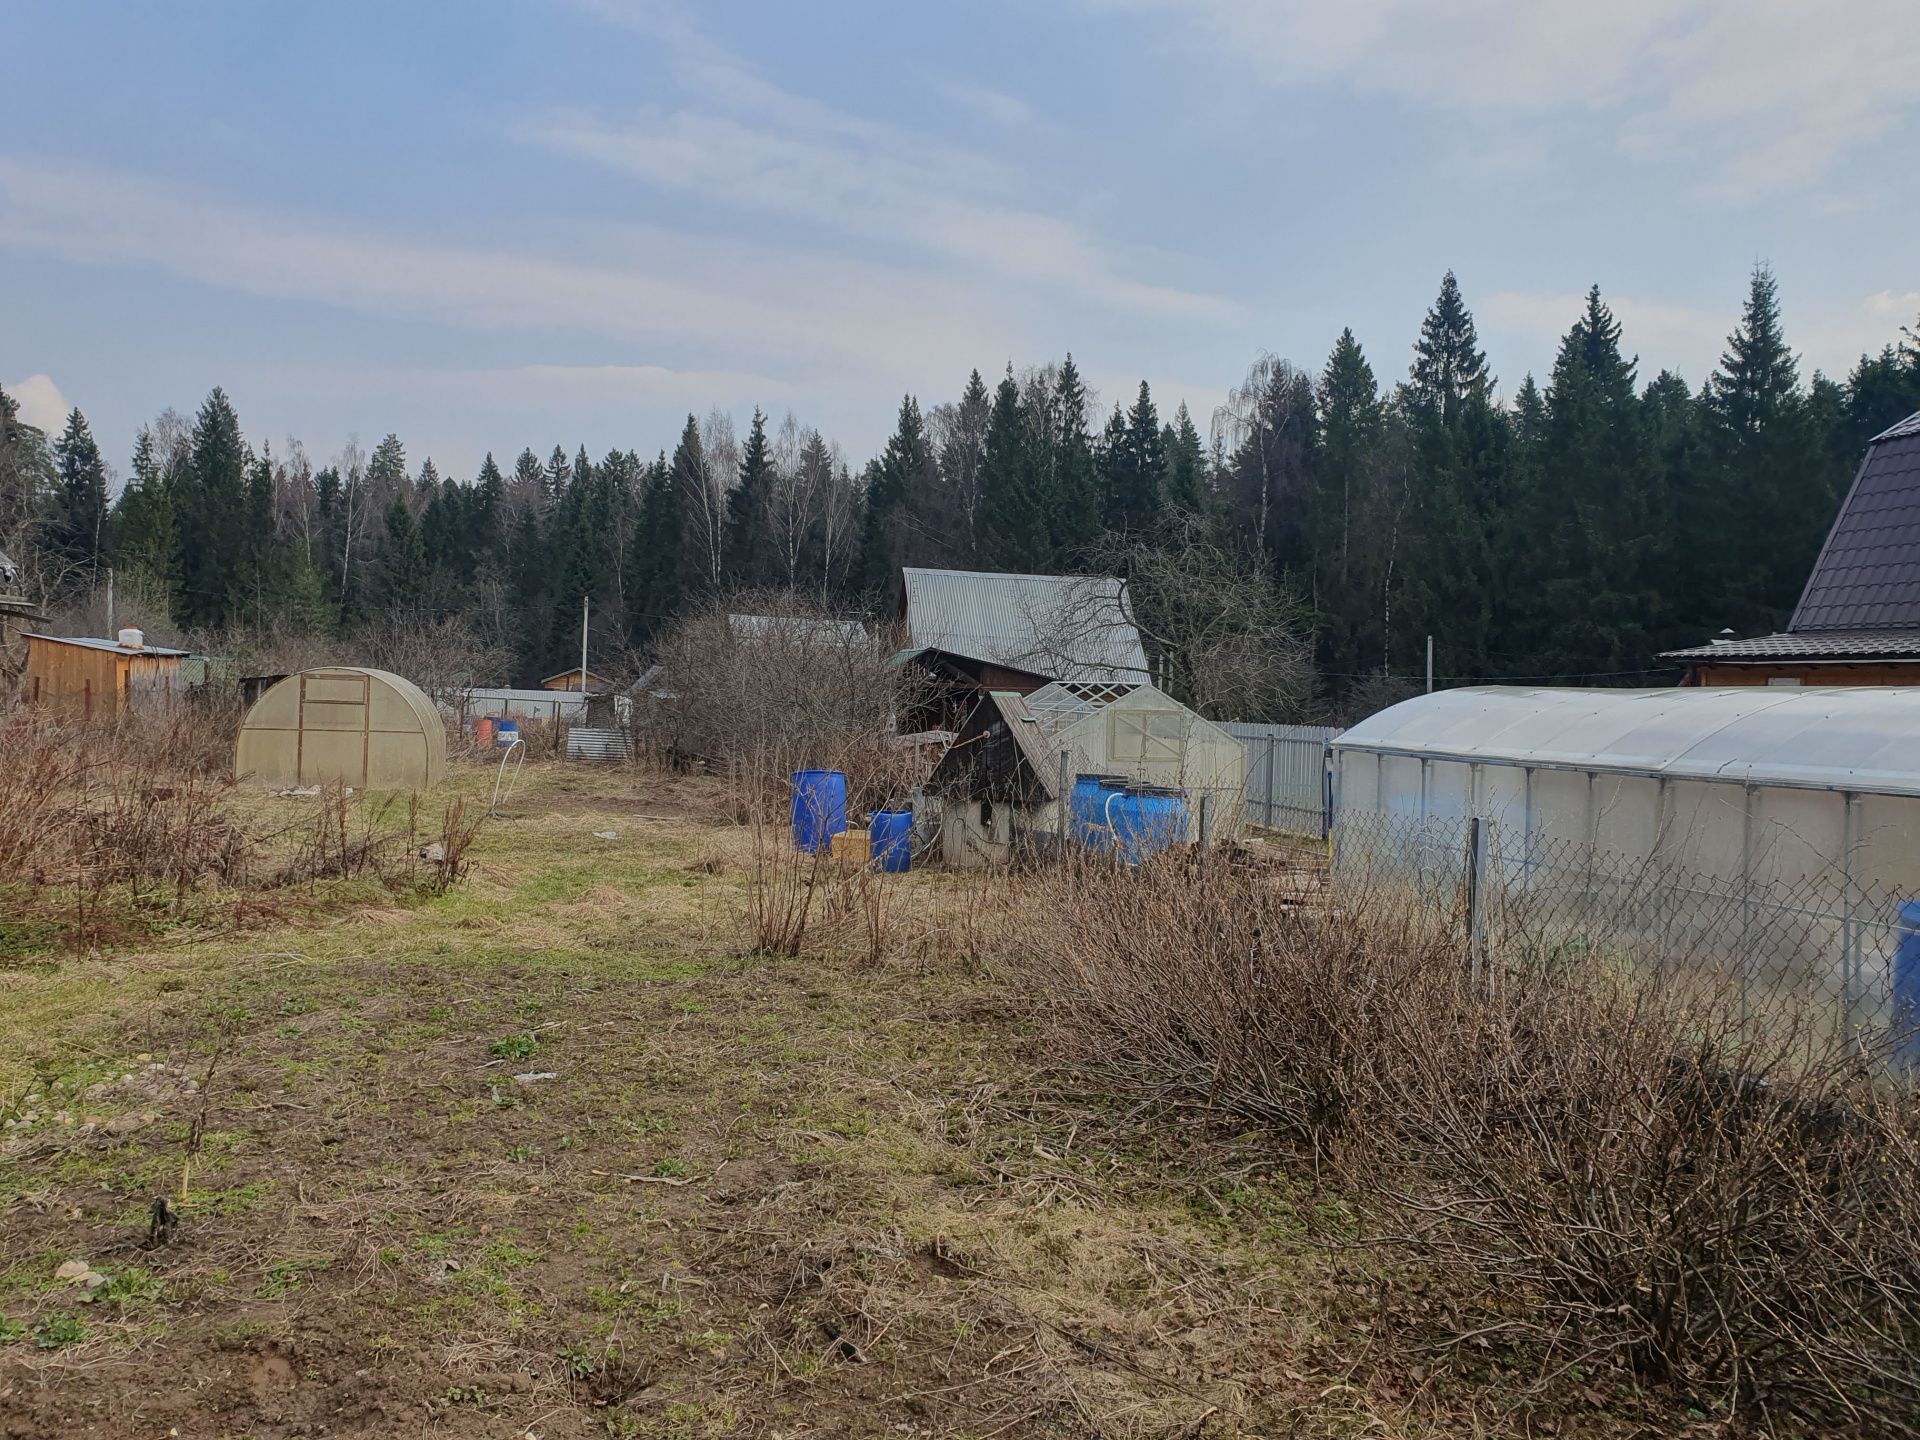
x=1055 y=627
x=1858 y=620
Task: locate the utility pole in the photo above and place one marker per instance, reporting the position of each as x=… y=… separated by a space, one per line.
x=1429 y=664
x=584 y=602
x=112 y=634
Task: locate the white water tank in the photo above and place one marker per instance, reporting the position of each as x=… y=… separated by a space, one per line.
x=131 y=638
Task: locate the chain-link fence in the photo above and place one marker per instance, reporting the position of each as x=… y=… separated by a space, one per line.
x=1839 y=943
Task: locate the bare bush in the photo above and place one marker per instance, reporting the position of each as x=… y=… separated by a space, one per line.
x=103 y=819
x=782 y=889
x=1606 y=1171
x=792 y=689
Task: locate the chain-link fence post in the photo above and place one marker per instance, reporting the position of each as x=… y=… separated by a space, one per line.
x=1066 y=803
x=1476 y=900
x=1204 y=818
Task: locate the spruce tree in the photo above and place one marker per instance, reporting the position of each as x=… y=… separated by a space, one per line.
x=1013 y=510
x=142 y=527
x=80 y=520
x=387 y=470
x=962 y=456
x=210 y=511
x=905 y=471
x=1448 y=364
x=662 y=572
x=1185 y=486
x=484 y=515
x=559 y=472
x=26 y=471
x=403 y=561
x=1591 y=600
x=1134 y=463
x=1776 y=495
x=1072 y=488
x=747 y=510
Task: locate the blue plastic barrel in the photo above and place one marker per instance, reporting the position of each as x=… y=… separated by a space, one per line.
x=1145 y=822
x=505 y=732
x=1906 y=985
x=890 y=839
x=819 y=808
x=1087 y=810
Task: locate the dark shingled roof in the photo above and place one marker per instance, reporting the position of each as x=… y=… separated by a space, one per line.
x=1811 y=645
x=1862 y=601
x=1868 y=573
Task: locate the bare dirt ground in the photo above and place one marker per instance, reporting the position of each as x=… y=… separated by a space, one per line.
x=551 y=1156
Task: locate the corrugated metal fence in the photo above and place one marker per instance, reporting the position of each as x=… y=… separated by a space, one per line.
x=1288 y=786
x=585 y=743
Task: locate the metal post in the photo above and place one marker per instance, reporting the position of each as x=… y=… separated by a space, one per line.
x=584 y=602
x=1746 y=901
x=112 y=632
x=1429 y=664
x=1203 y=832
x=1476 y=902
x=1065 y=827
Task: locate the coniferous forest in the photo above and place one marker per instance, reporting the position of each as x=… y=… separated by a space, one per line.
x=1564 y=528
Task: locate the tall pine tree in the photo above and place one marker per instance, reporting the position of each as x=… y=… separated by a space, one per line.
x=77 y=533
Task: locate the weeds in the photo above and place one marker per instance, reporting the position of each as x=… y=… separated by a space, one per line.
x=1602 y=1170
x=515 y=1047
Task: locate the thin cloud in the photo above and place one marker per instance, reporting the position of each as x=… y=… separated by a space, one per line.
x=1758 y=95
x=750 y=144
x=859 y=318
x=996 y=107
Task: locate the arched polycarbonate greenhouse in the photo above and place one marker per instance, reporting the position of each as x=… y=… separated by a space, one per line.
x=343 y=725
x=1772 y=829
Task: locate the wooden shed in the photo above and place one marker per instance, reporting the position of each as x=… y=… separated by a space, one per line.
x=87 y=677
x=343 y=725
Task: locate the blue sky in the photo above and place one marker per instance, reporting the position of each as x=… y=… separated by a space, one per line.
x=529 y=222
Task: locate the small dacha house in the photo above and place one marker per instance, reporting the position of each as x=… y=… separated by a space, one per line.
x=1858 y=620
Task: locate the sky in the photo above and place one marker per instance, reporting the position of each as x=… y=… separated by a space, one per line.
x=507 y=223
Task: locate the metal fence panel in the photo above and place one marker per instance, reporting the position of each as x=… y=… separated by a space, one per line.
x=1287 y=785
x=584 y=743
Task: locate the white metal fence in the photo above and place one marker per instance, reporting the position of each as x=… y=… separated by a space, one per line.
x=1288 y=785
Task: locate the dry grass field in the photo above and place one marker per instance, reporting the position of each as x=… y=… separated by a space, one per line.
x=557 y=1154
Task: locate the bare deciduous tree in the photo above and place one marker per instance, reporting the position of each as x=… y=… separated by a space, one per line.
x=1222 y=635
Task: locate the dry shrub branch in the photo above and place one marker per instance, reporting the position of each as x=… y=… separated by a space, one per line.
x=1608 y=1171
x=101 y=820
x=757 y=686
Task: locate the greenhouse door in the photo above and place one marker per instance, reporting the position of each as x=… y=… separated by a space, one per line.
x=336 y=726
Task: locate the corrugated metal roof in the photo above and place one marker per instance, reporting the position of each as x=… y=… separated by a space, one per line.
x=1027 y=734
x=1071 y=627
x=1856 y=737
x=1812 y=645
x=806 y=629
x=1868 y=573
x=113 y=645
